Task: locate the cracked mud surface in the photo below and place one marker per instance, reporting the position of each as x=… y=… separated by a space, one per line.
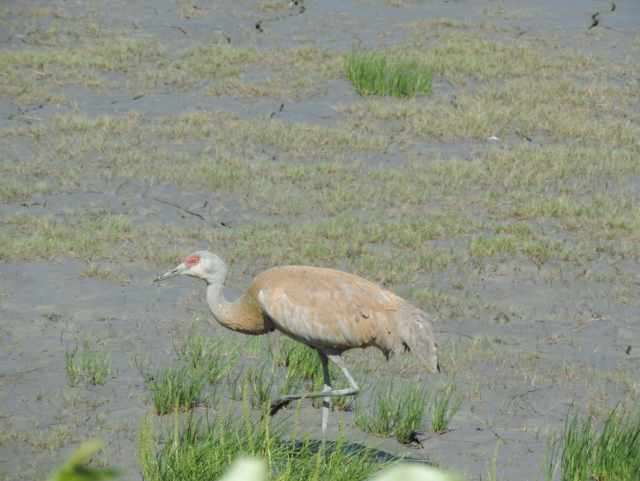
x=527 y=337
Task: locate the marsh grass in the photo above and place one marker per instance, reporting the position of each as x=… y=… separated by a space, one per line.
x=268 y=5
x=303 y=366
x=445 y=406
x=252 y=347
x=204 y=449
x=391 y=73
x=32 y=75
x=344 y=403
x=234 y=384
x=87 y=238
x=293 y=382
x=88 y=363
x=607 y=450
x=95 y=236
x=103 y=272
x=74 y=65
x=11 y=189
x=529 y=184
x=306 y=360
x=303 y=359
x=398 y=412
x=380 y=417
x=501 y=174
x=51 y=440
x=337 y=403
x=262 y=382
x=216 y=60
x=218 y=366
x=492 y=110
x=491 y=474
x=216 y=358
x=176 y=386
x=194 y=349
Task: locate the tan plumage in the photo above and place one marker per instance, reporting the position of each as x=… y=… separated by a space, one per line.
x=329 y=310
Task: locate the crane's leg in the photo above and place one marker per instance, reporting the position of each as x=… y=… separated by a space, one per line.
x=326 y=401
x=335 y=356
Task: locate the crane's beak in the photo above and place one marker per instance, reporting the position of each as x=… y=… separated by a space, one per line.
x=175 y=272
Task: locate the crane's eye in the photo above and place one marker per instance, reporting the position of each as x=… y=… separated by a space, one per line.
x=194 y=261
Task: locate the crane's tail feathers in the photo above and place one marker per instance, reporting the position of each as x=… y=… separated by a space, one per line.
x=414 y=332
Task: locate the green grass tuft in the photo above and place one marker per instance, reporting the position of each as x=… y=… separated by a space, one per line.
x=93 y=365
x=398 y=413
x=298 y=357
x=303 y=364
x=213 y=357
x=174 y=387
x=262 y=382
x=385 y=72
x=445 y=406
x=607 y=450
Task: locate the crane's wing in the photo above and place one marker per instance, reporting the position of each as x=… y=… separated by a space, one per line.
x=326 y=308
x=323 y=307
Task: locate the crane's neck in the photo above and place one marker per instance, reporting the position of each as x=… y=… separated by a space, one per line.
x=245 y=315
x=220 y=307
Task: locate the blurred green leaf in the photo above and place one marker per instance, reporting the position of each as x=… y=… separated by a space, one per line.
x=75 y=468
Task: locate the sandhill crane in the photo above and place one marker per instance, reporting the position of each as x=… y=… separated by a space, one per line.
x=328 y=310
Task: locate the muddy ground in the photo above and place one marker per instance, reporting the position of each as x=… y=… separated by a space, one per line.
x=539 y=336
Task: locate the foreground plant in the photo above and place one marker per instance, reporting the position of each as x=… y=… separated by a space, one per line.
x=491 y=475
x=248 y=469
x=76 y=469
x=413 y=472
x=603 y=451
x=204 y=450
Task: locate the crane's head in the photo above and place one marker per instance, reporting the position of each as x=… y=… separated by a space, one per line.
x=202 y=264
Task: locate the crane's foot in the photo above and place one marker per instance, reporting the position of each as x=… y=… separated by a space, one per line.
x=277 y=404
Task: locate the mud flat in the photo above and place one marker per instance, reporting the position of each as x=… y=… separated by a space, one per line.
x=505 y=203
